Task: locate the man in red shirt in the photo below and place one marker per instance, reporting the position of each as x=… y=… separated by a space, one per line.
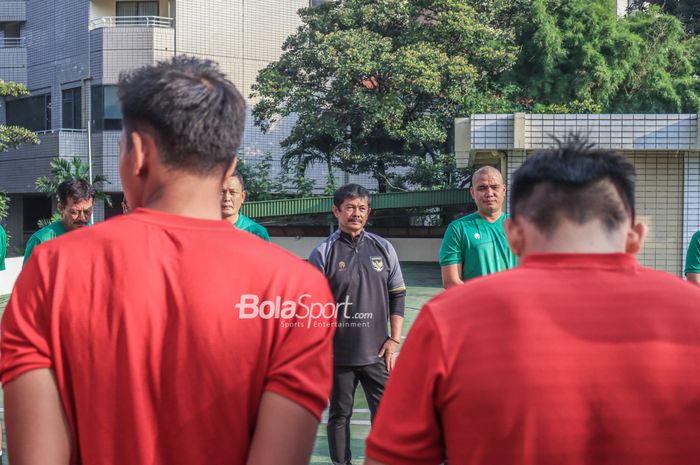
x=579 y=356
x=163 y=337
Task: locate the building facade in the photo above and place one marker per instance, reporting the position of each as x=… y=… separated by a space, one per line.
x=664 y=148
x=70 y=53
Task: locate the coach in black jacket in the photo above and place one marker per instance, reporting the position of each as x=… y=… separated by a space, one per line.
x=365 y=276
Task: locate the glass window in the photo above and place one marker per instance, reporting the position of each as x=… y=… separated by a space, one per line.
x=106 y=112
x=33 y=113
x=147 y=8
x=72 y=109
x=11 y=30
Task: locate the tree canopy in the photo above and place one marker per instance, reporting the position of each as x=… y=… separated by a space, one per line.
x=375 y=86
x=577 y=51
x=688 y=11
x=63 y=169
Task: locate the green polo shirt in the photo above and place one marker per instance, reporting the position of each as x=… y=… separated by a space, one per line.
x=479 y=246
x=246 y=224
x=692 y=259
x=3 y=247
x=46 y=233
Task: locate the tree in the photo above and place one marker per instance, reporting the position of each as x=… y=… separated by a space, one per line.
x=13 y=136
x=376 y=84
x=63 y=169
x=4 y=205
x=578 y=53
x=260 y=185
x=688 y=11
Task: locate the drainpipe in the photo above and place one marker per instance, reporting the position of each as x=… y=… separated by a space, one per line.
x=88 y=114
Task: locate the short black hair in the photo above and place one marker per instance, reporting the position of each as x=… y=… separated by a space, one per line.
x=196 y=113
x=350 y=191
x=76 y=189
x=237 y=174
x=576 y=181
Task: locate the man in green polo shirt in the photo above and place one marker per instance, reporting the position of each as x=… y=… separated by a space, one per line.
x=232 y=197
x=75 y=199
x=476 y=245
x=3 y=247
x=692 y=260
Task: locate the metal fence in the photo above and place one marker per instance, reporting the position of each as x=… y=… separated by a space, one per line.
x=131 y=21
x=12 y=42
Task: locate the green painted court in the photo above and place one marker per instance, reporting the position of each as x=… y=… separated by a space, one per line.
x=423 y=282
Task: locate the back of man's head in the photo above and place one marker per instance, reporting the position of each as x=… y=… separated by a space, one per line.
x=76 y=189
x=575 y=182
x=195 y=114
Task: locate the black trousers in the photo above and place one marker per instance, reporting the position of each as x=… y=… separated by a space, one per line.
x=345 y=380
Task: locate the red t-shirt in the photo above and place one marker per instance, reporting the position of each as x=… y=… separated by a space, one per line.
x=154 y=360
x=569 y=359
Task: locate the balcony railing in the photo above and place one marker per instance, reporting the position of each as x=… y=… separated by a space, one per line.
x=130 y=21
x=59 y=131
x=12 y=42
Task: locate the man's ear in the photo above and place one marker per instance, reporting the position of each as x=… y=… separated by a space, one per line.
x=335 y=211
x=515 y=236
x=60 y=207
x=635 y=238
x=143 y=147
x=231 y=169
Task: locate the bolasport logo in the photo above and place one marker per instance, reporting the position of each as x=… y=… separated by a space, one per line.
x=301 y=312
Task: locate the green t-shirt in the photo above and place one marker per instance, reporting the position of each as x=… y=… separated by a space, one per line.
x=46 y=233
x=3 y=247
x=246 y=224
x=692 y=260
x=479 y=246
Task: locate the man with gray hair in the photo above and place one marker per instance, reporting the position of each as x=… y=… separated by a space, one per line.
x=476 y=245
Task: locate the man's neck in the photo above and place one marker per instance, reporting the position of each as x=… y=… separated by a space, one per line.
x=490 y=217
x=233 y=219
x=188 y=195
x=591 y=237
x=353 y=234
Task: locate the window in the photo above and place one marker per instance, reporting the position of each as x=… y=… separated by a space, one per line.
x=106 y=112
x=11 y=33
x=72 y=109
x=33 y=113
x=137 y=9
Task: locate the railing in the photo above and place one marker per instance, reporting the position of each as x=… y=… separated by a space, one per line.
x=12 y=42
x=127 y=21
x=323 y=204
x=57 y=131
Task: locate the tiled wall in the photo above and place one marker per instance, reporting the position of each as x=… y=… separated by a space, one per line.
x=691 y=202
x=13 y=64
x=117 y=49
x=13 y=10
x=659 y=203
x=492 y=131
x=21 y=168
x=640 y=131
x=629 y=131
